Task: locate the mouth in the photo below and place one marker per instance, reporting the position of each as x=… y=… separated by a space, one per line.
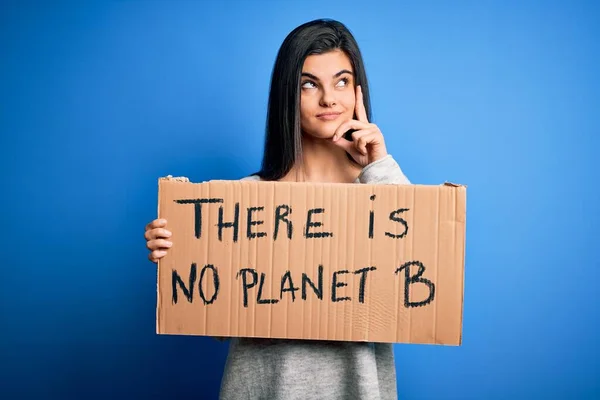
x=329 y=116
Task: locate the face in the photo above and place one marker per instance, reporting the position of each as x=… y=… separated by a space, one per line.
x=327 y=93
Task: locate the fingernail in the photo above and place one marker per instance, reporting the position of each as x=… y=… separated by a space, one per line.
x=169 y=244
x=162 y=221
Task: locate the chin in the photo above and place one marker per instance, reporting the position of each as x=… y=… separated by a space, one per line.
x=321 y=133
x=326 y=130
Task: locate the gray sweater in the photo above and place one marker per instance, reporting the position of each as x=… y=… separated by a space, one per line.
x=275 y=369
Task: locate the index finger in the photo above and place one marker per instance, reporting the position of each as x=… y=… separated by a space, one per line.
x=157 y=223
x=361 y=111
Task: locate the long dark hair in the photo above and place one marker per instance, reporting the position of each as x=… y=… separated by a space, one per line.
x=283 y=139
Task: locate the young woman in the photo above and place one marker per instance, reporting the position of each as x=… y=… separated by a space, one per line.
x=318 y=130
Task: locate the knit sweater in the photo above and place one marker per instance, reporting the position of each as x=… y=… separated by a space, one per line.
x=277 y=369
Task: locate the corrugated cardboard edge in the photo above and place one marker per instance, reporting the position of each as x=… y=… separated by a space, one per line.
x=464 y=261
x=158 y=294
x=462 y=309
x=454 y=184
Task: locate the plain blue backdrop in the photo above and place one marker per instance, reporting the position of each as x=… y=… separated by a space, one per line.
x=99 y=99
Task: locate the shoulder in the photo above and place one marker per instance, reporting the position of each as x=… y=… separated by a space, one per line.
x=251 y=178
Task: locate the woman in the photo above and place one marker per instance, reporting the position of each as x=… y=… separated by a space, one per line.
x=318 y=130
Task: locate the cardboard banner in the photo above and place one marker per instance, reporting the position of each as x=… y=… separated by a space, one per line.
x=350 y=262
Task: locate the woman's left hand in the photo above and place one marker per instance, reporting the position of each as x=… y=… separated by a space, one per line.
x=367 y=143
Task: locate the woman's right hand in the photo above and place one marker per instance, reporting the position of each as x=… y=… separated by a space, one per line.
x=157 y=239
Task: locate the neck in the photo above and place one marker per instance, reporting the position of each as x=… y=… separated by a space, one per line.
x=322 y=161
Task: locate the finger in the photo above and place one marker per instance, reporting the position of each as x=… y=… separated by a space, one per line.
x=359 y=141
x=159 y=244
x=363 y=132
x=348 y=146
x=157 y=233
x=157 y=223
x=372 y=128
x=347 y=125
x=369 y=137
x=156 y=255
x=361 y=111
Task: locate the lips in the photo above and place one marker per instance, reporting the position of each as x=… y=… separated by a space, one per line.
x=329 y=116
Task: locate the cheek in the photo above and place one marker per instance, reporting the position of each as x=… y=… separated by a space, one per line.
x=303 y=108
x=306 y=123
x=306 y=107
x=348 y=100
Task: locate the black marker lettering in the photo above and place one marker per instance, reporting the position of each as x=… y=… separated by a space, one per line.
x=318 y=290
x=245 y=285
x=215 y=283
x=176 y=280
x=310 y=224
x=282 y=217
x=335 y=284
x=259 y=298
x=371 y=219
x=234 y=224
x=394 y=217
x=198 y=211
x=363 y=281
x=251 y=234
x=198 y=220
x=287 y=277
x=409 y=280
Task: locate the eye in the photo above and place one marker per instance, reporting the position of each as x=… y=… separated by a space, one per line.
x=343 y=82
x=308 y=85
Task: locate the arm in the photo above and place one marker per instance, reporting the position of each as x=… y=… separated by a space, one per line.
x=383 y=171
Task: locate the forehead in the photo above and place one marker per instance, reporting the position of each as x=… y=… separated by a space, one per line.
x=327 y=64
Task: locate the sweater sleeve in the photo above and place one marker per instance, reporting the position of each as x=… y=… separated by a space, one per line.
x=383 y=171
x=251 y=178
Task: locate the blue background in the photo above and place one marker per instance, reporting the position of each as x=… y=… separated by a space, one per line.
x=100 y=99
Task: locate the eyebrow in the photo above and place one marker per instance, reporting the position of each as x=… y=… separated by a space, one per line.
x=311 y=76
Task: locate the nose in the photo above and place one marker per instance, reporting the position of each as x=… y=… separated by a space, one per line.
x=328 y=98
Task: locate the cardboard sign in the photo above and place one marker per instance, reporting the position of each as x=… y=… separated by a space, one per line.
x=350 y=262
